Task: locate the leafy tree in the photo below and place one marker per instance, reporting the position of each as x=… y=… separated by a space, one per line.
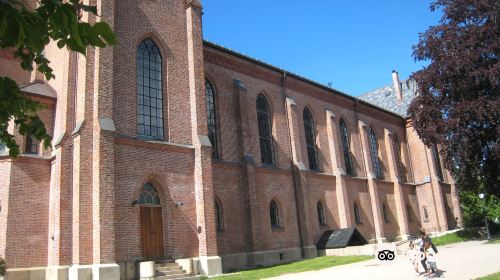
x=26 y=33
x=458 y=105
x=475 y=209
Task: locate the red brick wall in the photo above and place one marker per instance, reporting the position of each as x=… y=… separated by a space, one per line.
x=27 y=220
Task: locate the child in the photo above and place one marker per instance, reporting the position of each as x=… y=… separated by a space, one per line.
x=430 y=255
x=414 y=257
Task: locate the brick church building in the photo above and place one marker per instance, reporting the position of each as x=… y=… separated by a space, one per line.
x=170 y=147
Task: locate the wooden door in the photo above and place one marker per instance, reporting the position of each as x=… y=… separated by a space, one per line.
x=152 y=233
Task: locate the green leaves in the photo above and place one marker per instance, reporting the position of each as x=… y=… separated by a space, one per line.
x=26 y=33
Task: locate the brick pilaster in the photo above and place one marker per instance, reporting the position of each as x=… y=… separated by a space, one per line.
x=300 y=177
x=203 y=182
x=372 y=184
x=402 y=216
x=337 y=164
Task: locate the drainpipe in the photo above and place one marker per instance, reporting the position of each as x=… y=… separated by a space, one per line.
x=293 y=169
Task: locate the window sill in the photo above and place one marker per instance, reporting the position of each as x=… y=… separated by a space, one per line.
x=278 y=229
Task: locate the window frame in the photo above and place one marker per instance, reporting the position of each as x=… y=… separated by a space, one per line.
x=399 y=158
x=385 y=213
x=310 y=137
x=345 y=137
x=274 y=215
x=219 y=215
x=149 y=90
x=374 y=150
x=212 y=129
x=265 y=130
x=31 y=146
x=438 y=169
x=320 y=209
x=152 y=193
x=357 y=214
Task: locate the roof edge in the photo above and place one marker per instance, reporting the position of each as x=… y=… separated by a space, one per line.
x=298 y=77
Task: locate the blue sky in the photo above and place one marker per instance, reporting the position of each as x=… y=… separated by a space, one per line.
x=355 y=45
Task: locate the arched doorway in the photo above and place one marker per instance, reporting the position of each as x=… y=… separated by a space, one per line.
x=151 y=223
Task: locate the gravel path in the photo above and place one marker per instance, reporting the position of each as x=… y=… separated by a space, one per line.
x=466 y=260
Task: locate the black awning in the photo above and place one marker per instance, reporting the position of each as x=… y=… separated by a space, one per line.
x=340 y=238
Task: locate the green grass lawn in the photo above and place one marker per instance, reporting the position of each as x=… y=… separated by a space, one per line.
x=494 y=276
x=300 y=266
x=459 y=236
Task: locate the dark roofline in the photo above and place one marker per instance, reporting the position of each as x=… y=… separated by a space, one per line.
x=298 y=77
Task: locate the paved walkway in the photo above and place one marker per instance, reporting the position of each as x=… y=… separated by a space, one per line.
x=467 y=260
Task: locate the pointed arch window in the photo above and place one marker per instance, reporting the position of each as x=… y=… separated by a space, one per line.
x=321 y=213
x=219 y=216
x=346 y=147
x=409 y=213
x=385 y=213
x=399 y=158
x=377 y=167
x=437 y=162
x=357 y=214
x=31 y=144
x=211 y=117
x=265 y=130
x=149 y=195
x=426 y=214
x=310 y=139
x=149 y=90
x=274 y=213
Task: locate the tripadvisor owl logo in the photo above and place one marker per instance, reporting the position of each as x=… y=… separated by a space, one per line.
x=386 y=255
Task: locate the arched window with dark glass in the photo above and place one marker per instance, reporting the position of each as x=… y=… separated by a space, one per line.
x=310 y=139
x=31 y=144
x=265 y=130
x=274 y=212
x=149 y=90
x=399 y=158
x=149 y=195
x=219 y=215
x=409 y=213
x=321 y=214
x=211 y=117
x=377 y=168
x=346 y=147
x=426 y=214
x=385 y=213
x=357 y=214
x=437 y=162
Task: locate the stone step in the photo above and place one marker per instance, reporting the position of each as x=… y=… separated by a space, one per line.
x=165 y=264
x=172 y=275
x=168 y=268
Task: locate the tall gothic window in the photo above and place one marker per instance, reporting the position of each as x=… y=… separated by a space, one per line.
x=275 y=217
x=357 y=215
x=399 y=159
x=437 y=162
x=211 y=117
x=219 y=216
x=310 y=140
x=265 y=130
x=346 y=147
x=149 y=195
x=321 y=214
x=409 y=213
x=31 y=144
x=385 y=213
x=426 y=214
x=377 y=168
x=149 y=90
